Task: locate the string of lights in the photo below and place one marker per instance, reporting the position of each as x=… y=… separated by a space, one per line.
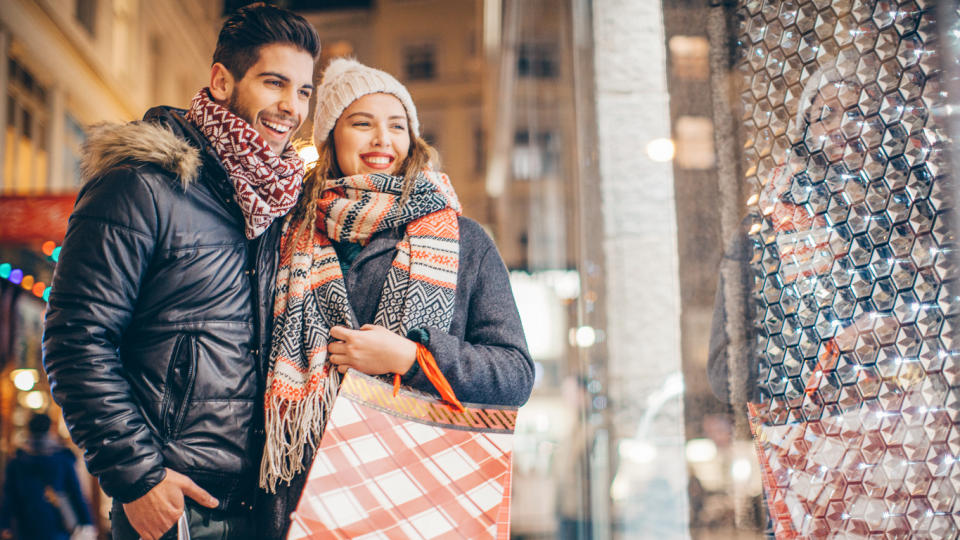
x=27 y=281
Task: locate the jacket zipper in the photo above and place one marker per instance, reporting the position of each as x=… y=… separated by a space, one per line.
x=188 y=391
x=253 y=272
x=165 y=402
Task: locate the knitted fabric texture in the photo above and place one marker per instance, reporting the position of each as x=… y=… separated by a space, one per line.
x=311 y=297
x=345 y=81
x=266 y=186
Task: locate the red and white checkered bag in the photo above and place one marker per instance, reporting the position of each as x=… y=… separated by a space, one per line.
x=407 y=466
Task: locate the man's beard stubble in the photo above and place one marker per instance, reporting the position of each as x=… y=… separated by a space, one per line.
x=233 y=105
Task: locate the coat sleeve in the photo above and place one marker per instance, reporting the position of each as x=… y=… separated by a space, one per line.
x=491 y=364
x=110 y=240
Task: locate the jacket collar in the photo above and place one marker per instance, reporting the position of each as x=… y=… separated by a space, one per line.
x=108 y=145
x=214 y=173
x=381 y=242
x=163 y=138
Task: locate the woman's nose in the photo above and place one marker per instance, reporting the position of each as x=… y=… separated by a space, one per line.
x=381 y=137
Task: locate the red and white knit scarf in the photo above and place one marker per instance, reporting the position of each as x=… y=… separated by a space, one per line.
x=266 y=185
x=311 y=297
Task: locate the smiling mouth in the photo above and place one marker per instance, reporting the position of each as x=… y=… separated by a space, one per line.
x=377 y=161
x=276 y=127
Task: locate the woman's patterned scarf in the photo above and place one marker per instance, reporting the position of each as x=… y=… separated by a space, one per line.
x=266 y=185
x=311 y=297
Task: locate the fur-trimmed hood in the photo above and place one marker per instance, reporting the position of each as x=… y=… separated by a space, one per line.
x=108 y=145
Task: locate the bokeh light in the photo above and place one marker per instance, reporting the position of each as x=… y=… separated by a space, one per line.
x=48 y=247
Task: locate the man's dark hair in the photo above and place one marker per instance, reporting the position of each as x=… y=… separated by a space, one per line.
x=256 y=25
x=39 y=424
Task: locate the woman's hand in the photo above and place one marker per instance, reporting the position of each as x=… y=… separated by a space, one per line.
x=372 y=349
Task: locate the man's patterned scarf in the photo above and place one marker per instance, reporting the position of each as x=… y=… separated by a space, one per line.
x=311 y=297
x=266 y=185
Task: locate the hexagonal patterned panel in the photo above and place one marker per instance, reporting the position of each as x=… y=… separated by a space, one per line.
x=845 y=131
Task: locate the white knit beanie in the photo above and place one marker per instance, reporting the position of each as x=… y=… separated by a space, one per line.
x=344 y=81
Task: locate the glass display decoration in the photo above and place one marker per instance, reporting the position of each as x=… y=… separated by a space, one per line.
x=855 y=281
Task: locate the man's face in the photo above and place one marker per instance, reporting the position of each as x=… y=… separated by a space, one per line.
x=274 y=94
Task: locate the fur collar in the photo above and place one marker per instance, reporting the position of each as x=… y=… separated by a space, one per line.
x=108 y=145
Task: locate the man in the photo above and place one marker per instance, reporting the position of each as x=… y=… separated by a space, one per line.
x=159 y=317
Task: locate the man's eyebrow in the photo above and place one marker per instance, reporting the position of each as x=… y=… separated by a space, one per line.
x=282 y=77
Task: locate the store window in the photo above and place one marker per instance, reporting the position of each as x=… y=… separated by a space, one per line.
x=814 y=187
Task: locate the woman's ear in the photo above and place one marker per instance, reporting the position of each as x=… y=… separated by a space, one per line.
x=222 y=83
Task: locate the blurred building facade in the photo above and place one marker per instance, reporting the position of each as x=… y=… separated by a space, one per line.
x=69 y=63
x=66 y=64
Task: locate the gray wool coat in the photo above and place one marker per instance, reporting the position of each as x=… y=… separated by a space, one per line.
x=484 y=355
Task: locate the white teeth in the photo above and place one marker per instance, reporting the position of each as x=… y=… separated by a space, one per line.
x=280 y=128
x=378 y=160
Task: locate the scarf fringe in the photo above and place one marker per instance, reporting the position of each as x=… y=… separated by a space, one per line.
x=293 y=427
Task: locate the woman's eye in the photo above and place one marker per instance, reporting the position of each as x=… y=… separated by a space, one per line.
x=361 y=124
x=401 y=127
x=305 y=93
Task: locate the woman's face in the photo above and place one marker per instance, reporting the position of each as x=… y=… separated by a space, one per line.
x=371 y=136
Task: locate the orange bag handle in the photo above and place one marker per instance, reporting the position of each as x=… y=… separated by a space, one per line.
x=429 y=366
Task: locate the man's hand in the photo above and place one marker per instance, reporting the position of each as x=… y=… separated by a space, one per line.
x=156 y=512
x=373 y=350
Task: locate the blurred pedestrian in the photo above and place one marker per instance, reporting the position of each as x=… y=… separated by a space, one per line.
x=41 y=493
x=378 y=267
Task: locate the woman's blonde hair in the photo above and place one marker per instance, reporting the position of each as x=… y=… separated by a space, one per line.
x=326 y=168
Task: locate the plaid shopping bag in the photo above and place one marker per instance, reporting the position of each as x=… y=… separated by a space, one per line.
x=407 y=466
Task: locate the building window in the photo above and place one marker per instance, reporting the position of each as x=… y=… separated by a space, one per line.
x=123 y=45
x=26 y=145
x=419 y=62
x=479 y=150
x=86 y=14
x=229 y=6
x=535 y=155
x=537 y=60
x=73 y=144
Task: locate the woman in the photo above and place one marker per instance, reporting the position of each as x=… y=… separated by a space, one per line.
x=376 y=263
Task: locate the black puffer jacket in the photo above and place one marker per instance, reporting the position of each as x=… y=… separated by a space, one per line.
x=159 y=315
